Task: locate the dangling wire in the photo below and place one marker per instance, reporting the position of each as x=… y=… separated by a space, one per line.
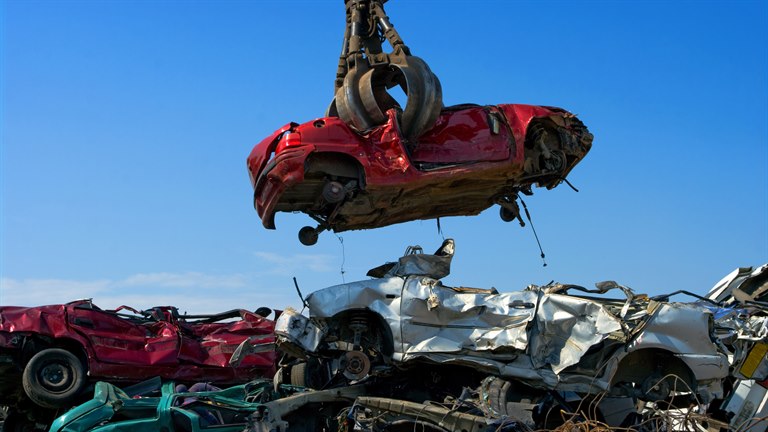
x=301 y=296
x=569 y=184
x=343 y=258
x=440 y=229
x=528 y=216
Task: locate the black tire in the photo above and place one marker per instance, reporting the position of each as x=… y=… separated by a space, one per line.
x=299 y=374
x=497 y=391
x=513 y=399
x=507 y=215
x=53 y=378
x=308 y=236
x=311 y=374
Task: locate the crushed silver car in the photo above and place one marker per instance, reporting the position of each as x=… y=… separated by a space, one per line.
x=552 y=337
x=741 y=322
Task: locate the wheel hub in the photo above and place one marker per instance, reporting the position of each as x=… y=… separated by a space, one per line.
x=55 y=376
x=334 y=192
x=656 y=388
x=555 y=163
x=356 y=365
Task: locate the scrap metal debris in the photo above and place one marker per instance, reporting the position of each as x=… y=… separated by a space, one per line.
x=49 y=355
x=546 y=336
x=556 y=357
x=742 y=328
x=404 y=352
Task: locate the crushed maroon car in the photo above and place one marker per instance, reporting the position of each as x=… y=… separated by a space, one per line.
x=53 y=352
x=472 y=158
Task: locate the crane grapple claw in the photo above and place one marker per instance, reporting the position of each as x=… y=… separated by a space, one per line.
x=366 y=74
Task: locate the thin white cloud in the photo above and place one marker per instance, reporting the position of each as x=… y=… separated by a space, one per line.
x=195 y=292
x=183 y=280
x=27 y=292
x=192 y=292
x=287 y=265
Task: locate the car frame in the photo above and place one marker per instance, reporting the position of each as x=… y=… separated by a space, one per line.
x=472 y=158
x=544 y=336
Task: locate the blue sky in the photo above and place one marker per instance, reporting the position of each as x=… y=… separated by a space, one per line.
x=126 y=124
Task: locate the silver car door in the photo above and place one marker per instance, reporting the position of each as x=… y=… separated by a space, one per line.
x=440 y=319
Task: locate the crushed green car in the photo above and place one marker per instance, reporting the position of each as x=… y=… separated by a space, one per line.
x=167 y=407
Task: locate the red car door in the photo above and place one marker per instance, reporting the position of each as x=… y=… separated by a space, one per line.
x=124 y=338
x=211 y=343
x=476 y=134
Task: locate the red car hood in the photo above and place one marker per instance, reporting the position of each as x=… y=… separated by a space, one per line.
x=48 y=320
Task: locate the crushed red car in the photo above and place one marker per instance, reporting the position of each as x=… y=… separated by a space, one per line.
x=472 y=158
x=53 y=352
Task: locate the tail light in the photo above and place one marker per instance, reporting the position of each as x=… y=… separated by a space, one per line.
x=290 y=139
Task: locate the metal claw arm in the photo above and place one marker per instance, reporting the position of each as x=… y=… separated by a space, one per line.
x=365 y=73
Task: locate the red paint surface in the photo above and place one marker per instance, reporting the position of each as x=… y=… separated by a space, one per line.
x=461 y=136
x=133 y=349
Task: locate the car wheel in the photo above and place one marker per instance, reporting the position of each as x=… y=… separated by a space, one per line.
x=308 y=236
x=507 y=215
x=53 y=377
x=555 y=163
x=299 y=375
x=334 y=192
x=311 y=374
x=533 y=408
x=656 y=387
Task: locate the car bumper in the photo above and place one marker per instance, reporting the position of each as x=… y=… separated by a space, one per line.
x=283 y=172
x=297 y=334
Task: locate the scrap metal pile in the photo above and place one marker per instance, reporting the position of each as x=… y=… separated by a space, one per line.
x=443 y=358
x=50 y=356
x=401 y=351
